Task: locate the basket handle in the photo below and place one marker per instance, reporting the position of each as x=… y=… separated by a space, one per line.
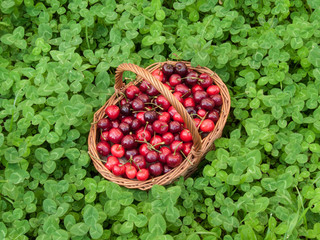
x=145 y=74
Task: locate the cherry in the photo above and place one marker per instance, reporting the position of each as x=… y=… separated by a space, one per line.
x=158 y=74
x=196 y=121
x=217 y=99
x=123 y=101
x=128 y=142
x=104 y=124
x=111 y=161
x=115 y=124
x=152 y=157
x=186 y=92
x=195 y=88
x=201 y=112
x=207 y=125
x=163 y=102
x=185 y=135
x=160 y=127
x=174 y=160
x=104 y=136
x=115 y=135
x=150 y=129
x=175 y=79
x=214 y=115
x=128 y=119
x=129 y=154
x=143 y=175
x=131 y=172
x=144 y=86
x=132 y=91
x=124 y=127
x=136 y=124
x=103 y=148
x=118 y=170
x=143 y=149
x=174 y=127
x=144 y=98
x=187 y=148
x=143 y=134
x=164 y=116
x=191 y=78
x=137 y=104
x=172 y=111
x=177 y=117
x=205 y=80
x=189 y=102
x=178 y=96
x=156 y=141
x=139 y=162
x=191 y=110
x=166 y=169
x=117 y=150
x=168 y=138
x=199 y=95
x=177 y=137
x=150 y=116
x=164 y=152
x=207 y=104
x=152 y=91
x=167 y=86
x=213 y=90
x=140 y=116
x=181 y=69
x=125 y=109
x=156 y=169
x=176 y=146
x=112 y=112
x=168 y=69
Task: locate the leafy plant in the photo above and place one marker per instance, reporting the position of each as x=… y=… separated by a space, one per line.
x=57 y=65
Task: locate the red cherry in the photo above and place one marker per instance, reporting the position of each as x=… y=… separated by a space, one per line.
x=144 y=86
x=115 y=135
x=199 y=95
x=143 y=149
x=104 y=136
x=143 y=174
x=112 y=112
x=160 y=127
x=140 y=116
x=214 y=115
x=176 y=146
x=111 y=161
x=186 y=92
x=164 y=116
x=205 y=80
x=178 y=96
x=172 y=111
x=195 y=88
x=187 y=148
x=143 y=134
x=119 y=169
x=189 y=102
x=163 y=102
x=139 y=162
x=177 y=117
x=156 y=141
x=213 y=90
x=196 y=121
x=117 y=150
x=132 y=91
x=207 y=125
x=103 y=148
x=174 y=160
x=168 y=138
x=201 y=112
x=217 y=100
x=185 y=135
x=131 y=172
x=152 y=157
x=158 y=74
x=164 y=152
x=175 y=79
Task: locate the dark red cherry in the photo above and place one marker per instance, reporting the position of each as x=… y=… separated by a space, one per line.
x=128 y=119
x=181 y=69
x=207 y=104
x=137 y=104
x=174 y=127
x=136 y=124
x=166 y=169
x=125 y=109
x=191 y=78
x=164 y=153
x=139 y=162
x=199 y=95
x=174 y=160
x=103 y=148
x=205 y=80
x=152 y=91
x=150 y=116
x=104 y=124
x=144 y=98
x=144 y=86
x=186 y=92
x=128 y=142
x=152 y=157
x=168 y=69
x=168 y=138
x=214 y=115
x=124 y=127
x=131 y=153
x=191 y=110
x=156 y=169
x=217 y=99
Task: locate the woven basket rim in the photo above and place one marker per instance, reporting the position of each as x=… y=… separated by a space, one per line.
x=194 y=157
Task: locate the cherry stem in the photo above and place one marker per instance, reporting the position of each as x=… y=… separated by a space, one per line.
x=155 y=105
x=124 y=95
x=185 y=93
x=185 y=157
x=204 y=117
x=96 y=158
x=174 y=153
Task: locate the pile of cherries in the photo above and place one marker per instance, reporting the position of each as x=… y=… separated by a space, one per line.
x=145 y=136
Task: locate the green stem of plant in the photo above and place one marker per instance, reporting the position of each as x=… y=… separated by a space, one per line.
x=87 y=39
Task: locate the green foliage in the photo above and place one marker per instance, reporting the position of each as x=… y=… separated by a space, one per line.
x=57 y=65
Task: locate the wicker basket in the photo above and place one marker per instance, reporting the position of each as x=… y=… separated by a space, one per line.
x=200 y=147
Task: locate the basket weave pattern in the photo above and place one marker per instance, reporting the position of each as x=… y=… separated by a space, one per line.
x=200 y=147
